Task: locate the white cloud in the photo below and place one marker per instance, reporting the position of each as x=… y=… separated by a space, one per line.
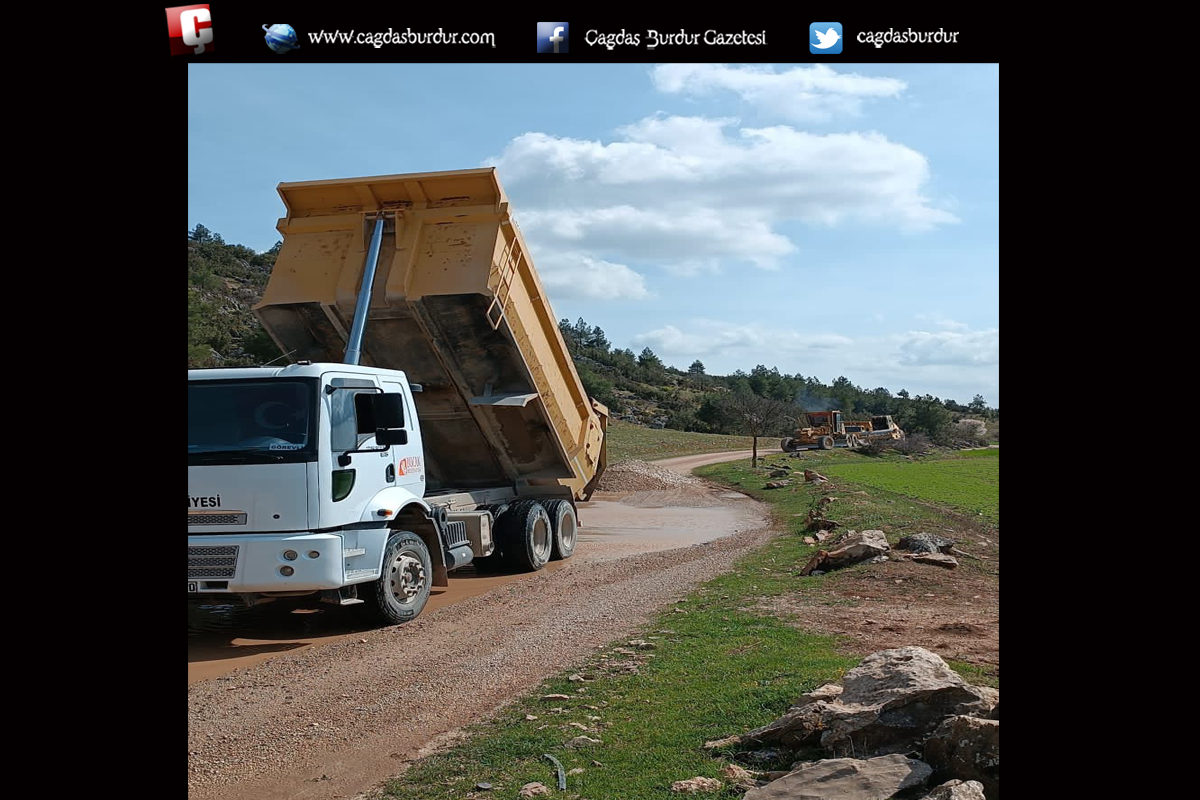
x=690 y=193
x=713 y=336
x=945 y=363
x=942 y=321
x=579 y=276
x=950 y=347
x=802 y=94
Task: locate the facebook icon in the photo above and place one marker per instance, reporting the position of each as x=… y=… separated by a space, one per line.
x=552 y=37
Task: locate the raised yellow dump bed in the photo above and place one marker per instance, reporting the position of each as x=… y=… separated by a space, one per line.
x=457 y=305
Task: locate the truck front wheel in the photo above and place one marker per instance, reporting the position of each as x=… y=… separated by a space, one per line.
x=403 y=586
x=565 y=527
x=526 y=535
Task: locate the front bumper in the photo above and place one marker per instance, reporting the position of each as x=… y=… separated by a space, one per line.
x=241 y=563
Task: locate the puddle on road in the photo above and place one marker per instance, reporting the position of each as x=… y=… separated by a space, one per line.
x=223 y=637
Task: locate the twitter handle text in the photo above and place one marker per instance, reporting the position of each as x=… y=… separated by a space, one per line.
x=893 y=36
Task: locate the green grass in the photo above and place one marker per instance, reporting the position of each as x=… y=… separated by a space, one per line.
x=723 y=667
x=626 y=440
x=968 y=481
x=720 y=668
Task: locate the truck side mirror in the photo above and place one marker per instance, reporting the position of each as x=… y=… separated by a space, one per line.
x=387 y=410
x=386 y=437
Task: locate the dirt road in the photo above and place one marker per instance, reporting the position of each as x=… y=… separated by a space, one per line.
x=271 y=716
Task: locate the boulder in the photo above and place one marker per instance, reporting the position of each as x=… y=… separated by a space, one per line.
x=697 y=785
x=926 y=543
x=813 y=475
x=967 y=748
x=777 y=484
x=846 y=779
x=893 y=700
x=957 y=790
x=798 y=728
x=780 y=473
x=936 y=559
x=829 y=691
x=849 y=549
x=534 y=789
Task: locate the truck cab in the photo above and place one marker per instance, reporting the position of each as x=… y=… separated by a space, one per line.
x=295 y=475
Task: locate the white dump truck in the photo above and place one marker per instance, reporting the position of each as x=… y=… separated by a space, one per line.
x=431 y=417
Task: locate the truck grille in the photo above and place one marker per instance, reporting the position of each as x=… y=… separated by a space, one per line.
x=456 y=534
x=232 y=518
x=217 y=561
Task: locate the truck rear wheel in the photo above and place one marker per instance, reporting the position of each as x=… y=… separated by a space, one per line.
x=826 y=442
x=565 y=528
x=787 y=445
x=402 y=589
x=526 y=535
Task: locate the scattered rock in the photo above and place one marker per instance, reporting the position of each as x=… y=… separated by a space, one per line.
x=813 y=475
x=926 y=543
x=728 y=740
x=625 y=651
x=576 y=771
x=638 y=476
x=849 y=549
x=847 y=779
x=777 y=484
x=534 y=789
x=878 y=560
x=556 y=697
x=780 y=473
x=937 y=560
x=483 y=787
x=739 y=776
x=809 y=540
x=957 y=790
x=821 y=536
x=575 y=678
x=697 y=785
x=642 y=644
x=583 y=741
x=578 y=725
x=829 y=691
x=893 y=700
x=967 y=748
x=530 y=717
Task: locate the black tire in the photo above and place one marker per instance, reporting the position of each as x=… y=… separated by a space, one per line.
x=525 y=536
x=826 y=442
x=787 y=445
x=407 y=572
x=564 y=526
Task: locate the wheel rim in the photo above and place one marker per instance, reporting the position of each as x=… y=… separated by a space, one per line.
x=541 y=538
x=406 y=580
x=566 y=531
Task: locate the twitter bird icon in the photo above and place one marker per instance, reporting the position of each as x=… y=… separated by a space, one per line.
x=825 y=38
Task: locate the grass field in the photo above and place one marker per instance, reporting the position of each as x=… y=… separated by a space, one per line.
x=633 y=441
x=968 y=481
x=722 y=663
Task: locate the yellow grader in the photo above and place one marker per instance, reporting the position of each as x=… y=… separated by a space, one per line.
x=824 y=430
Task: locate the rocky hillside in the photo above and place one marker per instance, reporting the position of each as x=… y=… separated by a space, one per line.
x=224 y=282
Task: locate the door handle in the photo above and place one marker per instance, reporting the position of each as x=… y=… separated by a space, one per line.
x=390 y=473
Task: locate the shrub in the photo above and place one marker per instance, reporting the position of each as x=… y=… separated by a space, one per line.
x=913 y=444
x=972 y=431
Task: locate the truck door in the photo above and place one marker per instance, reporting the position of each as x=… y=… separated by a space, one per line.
x=352 y=484
x=407 y=462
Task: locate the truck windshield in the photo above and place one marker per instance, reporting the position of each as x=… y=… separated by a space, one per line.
x=271 y=419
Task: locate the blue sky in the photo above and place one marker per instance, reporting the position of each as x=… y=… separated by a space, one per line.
x=826 y=221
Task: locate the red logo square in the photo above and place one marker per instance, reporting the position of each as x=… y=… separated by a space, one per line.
x=190 y=29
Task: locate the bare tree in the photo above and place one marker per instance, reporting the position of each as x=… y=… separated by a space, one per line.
x=756 y=416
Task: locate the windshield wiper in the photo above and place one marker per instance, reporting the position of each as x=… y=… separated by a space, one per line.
x=235 y=456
